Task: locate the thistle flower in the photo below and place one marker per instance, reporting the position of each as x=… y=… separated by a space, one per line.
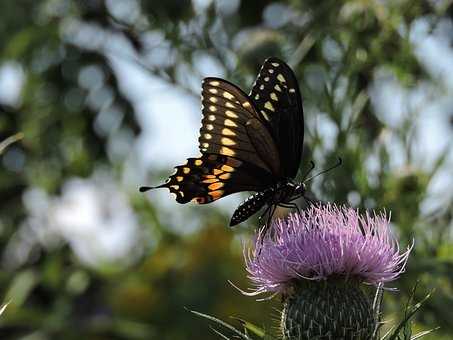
x=317 y=260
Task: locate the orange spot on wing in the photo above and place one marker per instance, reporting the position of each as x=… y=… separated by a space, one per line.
x=216 y=194
x=216 y=186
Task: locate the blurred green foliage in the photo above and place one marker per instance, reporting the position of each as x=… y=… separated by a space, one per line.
x=77 y=120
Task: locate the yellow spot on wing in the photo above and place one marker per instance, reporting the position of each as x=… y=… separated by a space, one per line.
x=230 y=123
x=246 y=104
x=210 y=127
x=228 y=95
x=179 y=178
x=186 y=170
x=257 y=96
x=268 y=105
x=214 y=91
x=275 y=64
x=231 y=114
x=210 y=180
x=230 y=105
x=227 y=141
x=217 y=172
x=216 y=186
x=227 y=168
x=176 y=187
x=211 y=118
x=225 y=176
x=265 y=115
x=266 y=78
x=198 y=162
x=228 y=132
x=227 y=151
x=274 y=96
x=271 y=70
x=281 y=78
x=212 y=108
x=207 y=136
x=214 y=83
x=205 y=145
x=278 y=88
x=213 y=99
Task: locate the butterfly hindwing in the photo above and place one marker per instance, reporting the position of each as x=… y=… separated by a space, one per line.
x=276 y=98
x=228 y=116
x=210 y=177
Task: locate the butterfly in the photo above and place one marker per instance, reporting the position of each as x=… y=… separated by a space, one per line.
x=248 y=142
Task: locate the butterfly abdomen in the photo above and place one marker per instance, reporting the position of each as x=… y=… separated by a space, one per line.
x=251 y=205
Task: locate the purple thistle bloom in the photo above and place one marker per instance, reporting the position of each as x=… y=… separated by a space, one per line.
x=325 y=242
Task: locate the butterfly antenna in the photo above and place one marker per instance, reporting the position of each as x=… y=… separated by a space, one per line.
x=336 y=165
x=144 y=189
x=312 y=166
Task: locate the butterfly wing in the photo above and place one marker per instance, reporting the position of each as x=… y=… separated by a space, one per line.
x=276 y=98
x=211 y=176
x=232 y=127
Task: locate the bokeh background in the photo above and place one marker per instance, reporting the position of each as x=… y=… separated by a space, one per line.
x=107 y=97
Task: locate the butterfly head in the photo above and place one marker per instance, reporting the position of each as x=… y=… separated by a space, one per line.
x=300 y=189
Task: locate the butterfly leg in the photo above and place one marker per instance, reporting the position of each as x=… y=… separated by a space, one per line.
x=306 y=198
x=290 y=206
x=271 y=213
x=260 y=219
x=270 y=210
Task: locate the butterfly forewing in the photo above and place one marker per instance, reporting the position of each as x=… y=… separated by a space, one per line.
x=210 y=177
x=276 y=98
x=231 y=125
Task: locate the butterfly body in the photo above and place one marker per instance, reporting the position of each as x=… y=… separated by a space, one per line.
x=282 y=193
x=247 y=142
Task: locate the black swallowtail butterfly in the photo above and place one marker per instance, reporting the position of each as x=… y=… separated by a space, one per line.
x=248 y=143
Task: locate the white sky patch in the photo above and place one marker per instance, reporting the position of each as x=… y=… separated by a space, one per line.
x=434 y=49
x=11 y=81
x=169 y=117
x=92 y=215
x=97 y=221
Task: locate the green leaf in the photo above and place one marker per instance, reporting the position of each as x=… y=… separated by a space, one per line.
x=251 y=327
x=404 y=326
x=222 y=323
